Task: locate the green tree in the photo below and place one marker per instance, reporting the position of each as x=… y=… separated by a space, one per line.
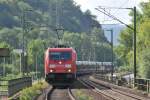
x=144 y=69
x=125 y=52
x=36 y=54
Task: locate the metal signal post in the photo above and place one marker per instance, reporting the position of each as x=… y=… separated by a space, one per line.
x=25 y=30
x=132 y=28
x=112 y=54
x=134 y=43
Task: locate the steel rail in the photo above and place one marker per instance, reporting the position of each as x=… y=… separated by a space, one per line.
x=119 y=92
x=71 y=94
x=96 y=90
x=50 y=93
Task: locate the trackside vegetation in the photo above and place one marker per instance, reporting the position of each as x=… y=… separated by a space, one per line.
x=124 y=50
x=81 y=96
x=31 y=93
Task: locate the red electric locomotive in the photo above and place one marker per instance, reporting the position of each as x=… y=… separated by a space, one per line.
x=60 y=65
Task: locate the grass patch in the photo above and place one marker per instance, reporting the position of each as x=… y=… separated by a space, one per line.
x=81 y=96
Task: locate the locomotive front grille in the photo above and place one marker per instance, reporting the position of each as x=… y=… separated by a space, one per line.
x=60 y=76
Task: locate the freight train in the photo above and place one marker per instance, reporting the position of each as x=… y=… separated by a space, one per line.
x=62 y=67
x=90 y=67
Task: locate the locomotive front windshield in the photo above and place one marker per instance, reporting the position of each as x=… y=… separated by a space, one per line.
x=60 y=55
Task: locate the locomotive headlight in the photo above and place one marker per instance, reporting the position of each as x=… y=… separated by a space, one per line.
x=69 y=70
x=52 y=66
x=68 y=65
x=51 y=70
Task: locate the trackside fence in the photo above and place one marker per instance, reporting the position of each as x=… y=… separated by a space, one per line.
x=140 y=83
x=10 y=87
x=143 y=84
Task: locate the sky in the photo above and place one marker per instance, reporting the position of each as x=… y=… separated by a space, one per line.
x=103 y=19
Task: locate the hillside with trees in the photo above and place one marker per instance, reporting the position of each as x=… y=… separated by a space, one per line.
x=39 y=19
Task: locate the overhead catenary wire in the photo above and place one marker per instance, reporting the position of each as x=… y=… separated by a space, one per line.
x=113 y=17
x=122 y=5
x=115 y=8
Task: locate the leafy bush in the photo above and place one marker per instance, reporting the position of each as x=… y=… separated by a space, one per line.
x=31 y=92
x=144 y=69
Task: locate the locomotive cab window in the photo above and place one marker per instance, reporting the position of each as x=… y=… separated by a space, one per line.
x=60 y=55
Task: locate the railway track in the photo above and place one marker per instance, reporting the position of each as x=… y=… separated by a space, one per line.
x=60 y=94
x=109 y=93
x=95 y=90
